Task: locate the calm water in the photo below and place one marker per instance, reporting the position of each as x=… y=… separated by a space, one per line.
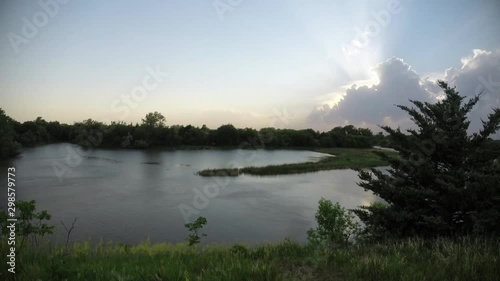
x=130 y=195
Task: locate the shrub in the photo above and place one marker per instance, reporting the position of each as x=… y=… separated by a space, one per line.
x=336 y=226
x=194 y=238
x=30 y=223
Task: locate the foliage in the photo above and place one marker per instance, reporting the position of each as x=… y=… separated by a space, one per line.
x=30 y=223
x=374 y=232
x=226 y=135
x=445 y=182
x=153 y=132
x=194 y=238
x=154 y=120
x=405 y=260
x=8 y=146
x=151 y=122
x=336 y=225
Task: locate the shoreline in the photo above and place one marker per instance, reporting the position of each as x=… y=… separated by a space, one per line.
x=338 y=159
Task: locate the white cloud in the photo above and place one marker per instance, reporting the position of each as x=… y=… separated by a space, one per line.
x=372 y=105
x=480 y=73
x=472 y=62
x=398 y=83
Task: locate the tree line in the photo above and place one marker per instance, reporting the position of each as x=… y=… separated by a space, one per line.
x=152 y=131
x=444 y=182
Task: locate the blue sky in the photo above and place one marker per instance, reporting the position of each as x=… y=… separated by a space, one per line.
x=256 y=62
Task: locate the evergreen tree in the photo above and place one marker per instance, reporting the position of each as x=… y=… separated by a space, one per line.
x=444 y=181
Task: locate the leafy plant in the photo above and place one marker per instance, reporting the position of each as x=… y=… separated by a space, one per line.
x=194 y=238
x=336 y=225
x=30 y=223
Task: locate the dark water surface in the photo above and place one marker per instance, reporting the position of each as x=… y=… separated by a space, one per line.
x=130 y=195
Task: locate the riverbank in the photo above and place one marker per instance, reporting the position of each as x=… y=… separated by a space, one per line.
x=341 y=158
x=408 y=260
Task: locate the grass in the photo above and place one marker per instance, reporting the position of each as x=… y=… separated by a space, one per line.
x=408 y=260
x=342 y=158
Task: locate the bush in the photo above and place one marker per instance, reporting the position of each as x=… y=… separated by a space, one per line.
x=30 y=223
x=336 y=226
x=194 y=238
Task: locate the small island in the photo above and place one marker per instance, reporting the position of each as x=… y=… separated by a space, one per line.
x=341 y=158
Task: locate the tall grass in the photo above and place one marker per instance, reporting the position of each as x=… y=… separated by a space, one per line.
x=407 y=260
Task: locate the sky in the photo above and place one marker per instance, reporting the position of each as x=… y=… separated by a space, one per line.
x=253 y=63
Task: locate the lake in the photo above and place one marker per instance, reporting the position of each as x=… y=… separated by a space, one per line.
x=130 y=195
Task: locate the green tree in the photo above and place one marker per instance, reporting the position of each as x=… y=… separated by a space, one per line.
x=226 y=135
x=88 y=133
x=445 y=182
x=8 y=146
x=30 y=223
x=154 y=120
x=336 y=225
x=58 y=132
x=193 y=227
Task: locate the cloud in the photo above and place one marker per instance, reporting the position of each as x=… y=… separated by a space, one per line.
x=372 y=105
x=480 y=73
x=398 y=83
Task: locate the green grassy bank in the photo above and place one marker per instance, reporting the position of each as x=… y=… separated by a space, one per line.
x=342 y=158
x=409 y=260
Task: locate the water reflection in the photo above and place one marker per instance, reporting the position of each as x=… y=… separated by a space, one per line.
x=129 y=195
